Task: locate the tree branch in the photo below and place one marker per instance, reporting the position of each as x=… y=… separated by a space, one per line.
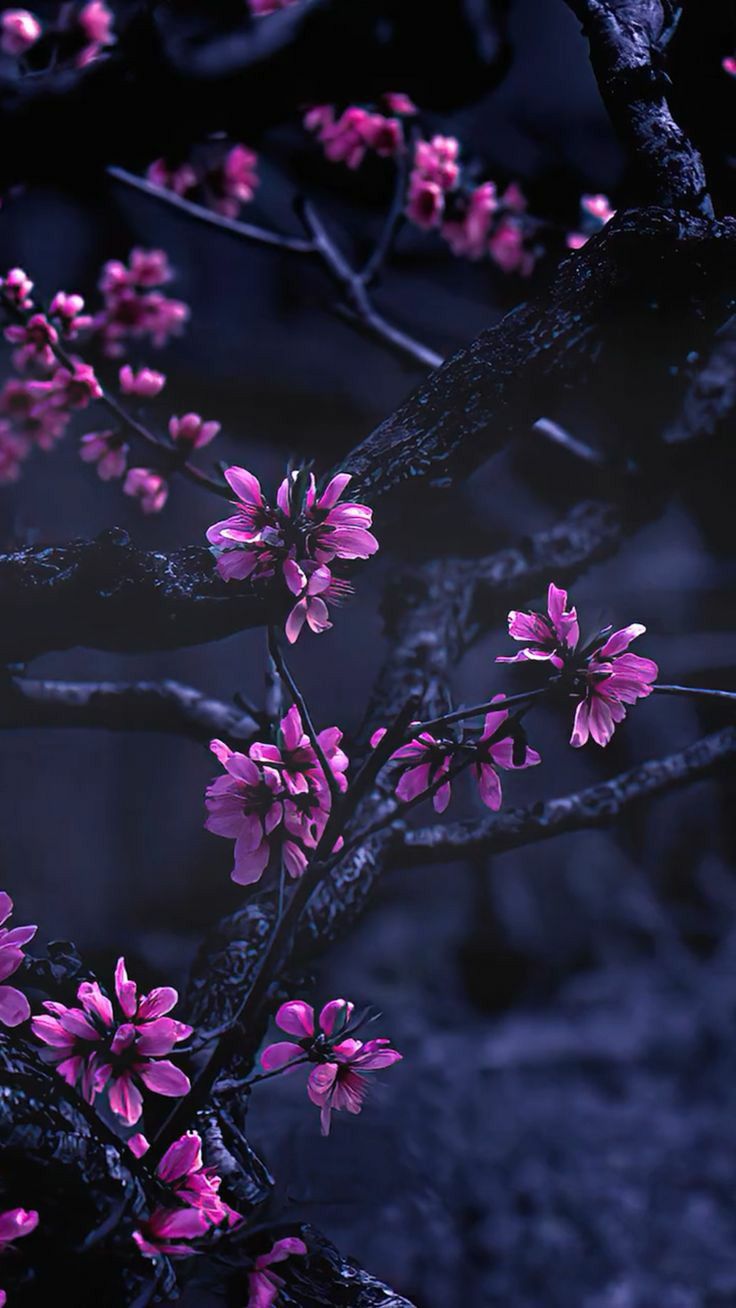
x=166 y=706
x=595 y=807
x=107 y=594
x=625 y=50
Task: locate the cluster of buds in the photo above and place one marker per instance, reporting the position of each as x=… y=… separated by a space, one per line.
x=338 y=1079
x=223 y=182
x=134 y=307
x=195 y=1207
x=37 y=404
x=474 y=220
x=348 y=136
x=294 y=542
x=82 y=32
x=116 y=1045
x=274 y=801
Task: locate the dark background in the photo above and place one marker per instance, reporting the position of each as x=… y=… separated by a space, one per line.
x=561 y=1131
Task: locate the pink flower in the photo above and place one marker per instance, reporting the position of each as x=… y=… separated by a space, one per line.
x=16 y=1223
x=96 y=21
x=192 y=431
x=508 y=250
x=149 y=487
x=68 y=309
x=425 y=203
x=548 y=637
x=108 y=450
x=338 y=1081
x=602 y=675
x=494 y=751
x=14 y=1007
x=235 y=181
x=425 y=761
x=134 y=307
x=73 y=388
x=383 y=135
x=180 y=178
x=598 y=207
x=437 y=161
x=468 y=235
x=612 y=679
x=342 y=1083
x=297 y=538
x=276 y=798
x=35 y=339
x=145 y=382
x=96 y=1047
x=196 y=1191
x=263 y=1283
x=729 y=65
x=398 y=103
x=17 y=286
x=19 y=30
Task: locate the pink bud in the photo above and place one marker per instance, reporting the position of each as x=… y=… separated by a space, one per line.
x=192 y=430
x=145 y=382
x=19 y=30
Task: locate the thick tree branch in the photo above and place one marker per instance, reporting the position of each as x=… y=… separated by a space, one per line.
x=166 y=706
x=595 y=807
x=107 y=594
x=710 y=399
x=626 y=38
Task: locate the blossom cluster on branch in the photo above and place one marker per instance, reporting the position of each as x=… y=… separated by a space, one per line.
x=80 y=34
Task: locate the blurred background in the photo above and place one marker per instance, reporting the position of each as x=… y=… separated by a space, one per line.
x=561 y=1130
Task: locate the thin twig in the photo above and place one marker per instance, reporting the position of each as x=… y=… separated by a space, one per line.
x=489 y=706
x=296 y=695
x=696 y=692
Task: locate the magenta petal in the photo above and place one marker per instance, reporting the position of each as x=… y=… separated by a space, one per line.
x=183 y=1156
x=279 y=1054
x=6 y=906
x=333 y=490
x=14 y=1007
x=246 y=486
x=10 y=961
x=337 y=1013
x=126 y=990
x=126 y=1100
x=250 y=864
x=164 y=1078
x=296 y=1018
x=159 y=1001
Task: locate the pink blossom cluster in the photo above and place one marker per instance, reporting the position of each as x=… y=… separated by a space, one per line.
x=14 y=1007
x=339 y=1080
x=115 y=1046
x=274 y=801
x=91 y=25
x=14 y=1224
x=134 y=306
x=294 y=541
x=348 y=136
x=728 y=64
x=425 y=762
x=37 y=404
x=225 y=184
x=601 y=675
x=595 y=212
x=474 y=220
x=195 y=1207
x=263 y=1283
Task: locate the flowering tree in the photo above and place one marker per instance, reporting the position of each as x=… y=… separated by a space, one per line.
x=125 y=1126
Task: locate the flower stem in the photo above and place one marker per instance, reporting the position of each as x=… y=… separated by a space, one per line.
x=477 y=709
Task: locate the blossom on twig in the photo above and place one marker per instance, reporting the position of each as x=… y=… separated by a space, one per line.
x=116 y=1046
x=339 y=1079
x=14 y=1224
x=198 y=1205
x=263 y=1283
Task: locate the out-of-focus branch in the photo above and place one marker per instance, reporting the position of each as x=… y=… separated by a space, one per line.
x=358 y=306
x=594 y=807
x=626 y=38
x=710 y=399
x=166 y=706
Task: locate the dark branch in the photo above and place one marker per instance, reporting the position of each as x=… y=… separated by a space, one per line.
x=166 y=706
x=109 y=595
x=626 y=38
x=710 y=399
x=595 y=807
